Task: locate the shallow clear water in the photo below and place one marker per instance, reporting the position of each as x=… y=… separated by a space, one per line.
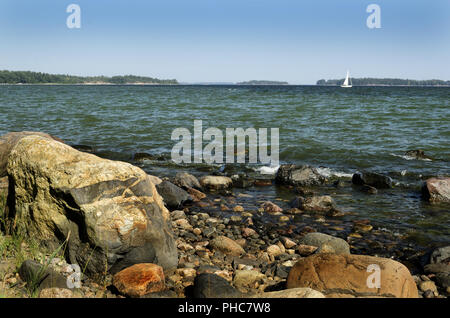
x=347 y=130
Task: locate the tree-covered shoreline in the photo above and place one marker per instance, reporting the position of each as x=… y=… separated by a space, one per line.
x=27 y=77
x=384 y=82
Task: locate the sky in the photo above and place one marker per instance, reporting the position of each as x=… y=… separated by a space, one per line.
x=228 y=40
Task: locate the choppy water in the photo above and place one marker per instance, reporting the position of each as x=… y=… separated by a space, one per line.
x=345 y=130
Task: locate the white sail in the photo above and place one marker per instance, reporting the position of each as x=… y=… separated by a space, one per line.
x=347 y=80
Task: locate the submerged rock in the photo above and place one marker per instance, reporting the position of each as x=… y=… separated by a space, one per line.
x=373 y=179
x=174 y=197
x=436 y=190
x=350 y=276
x=298 y=176
x=322 y=203
x=109 y=211
x=417 y=154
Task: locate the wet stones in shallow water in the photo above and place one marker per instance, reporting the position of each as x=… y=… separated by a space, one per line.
x=369 y=189
x=373 y=179
x=213 y=286
x=322 y=203
x=298 y=176
x=142 y=156
x=436 y=190
x=174 y=197
x=242 y=181
x=185 y=181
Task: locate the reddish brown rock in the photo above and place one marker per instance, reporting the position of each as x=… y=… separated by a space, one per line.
x=139 y=280
x=350 y=276
x=195 y=194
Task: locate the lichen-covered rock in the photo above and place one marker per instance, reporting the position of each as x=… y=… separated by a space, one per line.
x=350 y=276
x=7 y=143
x=436 y=190
x=109 y=210
x=139 y=280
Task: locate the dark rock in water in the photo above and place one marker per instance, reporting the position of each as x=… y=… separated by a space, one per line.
x=8 y=141
x=39 y=277
x=83 y=148
x=108 y=211
x=186 y=180
x=373 y=179
x=213 y=286
x=141 y=156
x=417 y=154
x=298 y=176
x=242 y=181
x=369 y=189
x=322 y=203
x=436 y=190
x=174 y=197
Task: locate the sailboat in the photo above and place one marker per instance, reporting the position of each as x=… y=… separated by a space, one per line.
x=348 y=81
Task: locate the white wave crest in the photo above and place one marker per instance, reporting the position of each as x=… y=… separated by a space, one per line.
x=327 y=172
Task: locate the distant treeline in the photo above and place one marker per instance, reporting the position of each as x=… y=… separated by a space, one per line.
x=26 y=77
x=263 y=83
x=385 y=81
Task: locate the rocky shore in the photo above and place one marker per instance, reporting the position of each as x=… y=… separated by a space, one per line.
x=112 y=230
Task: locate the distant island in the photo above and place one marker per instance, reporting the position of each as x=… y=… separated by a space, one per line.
x=384 y=82
x=262 y=83
x=26 y=77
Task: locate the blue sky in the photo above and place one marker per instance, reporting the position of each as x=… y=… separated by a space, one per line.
x=228 y=40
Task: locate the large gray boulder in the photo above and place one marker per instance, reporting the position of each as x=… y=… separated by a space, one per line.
x=109 y=211
x=299 y=176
